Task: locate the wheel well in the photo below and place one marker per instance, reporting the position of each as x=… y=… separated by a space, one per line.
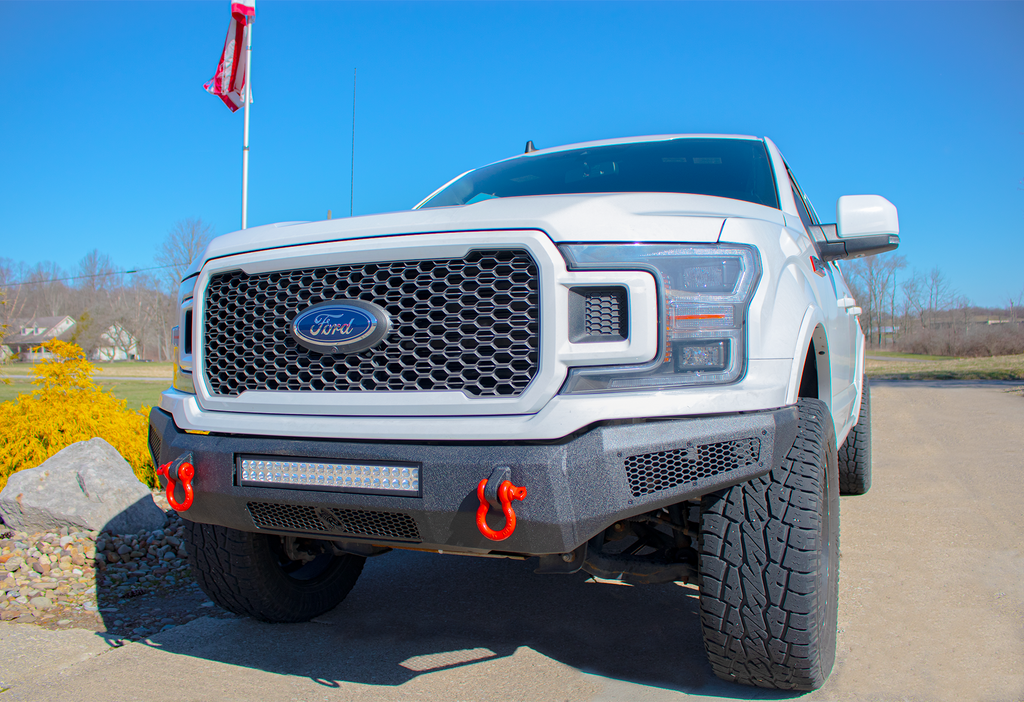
x=816 y=374
x=809 y=379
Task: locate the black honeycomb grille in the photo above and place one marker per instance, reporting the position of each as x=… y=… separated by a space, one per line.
x=335 y=521
x=292 y=517
x=391 y=525
x=651 y=472
x=155 y=445
x=605 y=313
x=469 y=324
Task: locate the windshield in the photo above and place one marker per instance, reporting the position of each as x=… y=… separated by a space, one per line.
x=732 y=168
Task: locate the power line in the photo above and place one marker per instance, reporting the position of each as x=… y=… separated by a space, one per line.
x=83 y=277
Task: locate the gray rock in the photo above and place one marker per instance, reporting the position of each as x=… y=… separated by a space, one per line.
x=86 y=485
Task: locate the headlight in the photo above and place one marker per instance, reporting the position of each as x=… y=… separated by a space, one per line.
x=704 y=292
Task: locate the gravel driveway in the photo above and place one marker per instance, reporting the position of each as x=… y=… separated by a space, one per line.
x=931 y=605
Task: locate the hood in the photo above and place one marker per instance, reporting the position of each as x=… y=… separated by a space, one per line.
x=564 y=218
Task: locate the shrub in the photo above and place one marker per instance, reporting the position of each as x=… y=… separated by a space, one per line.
x=979 y=340
x=68 y=407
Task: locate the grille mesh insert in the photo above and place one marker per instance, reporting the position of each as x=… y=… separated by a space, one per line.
x=466 y=324
x=352 y=522
x=651 y=472
x=605 y=313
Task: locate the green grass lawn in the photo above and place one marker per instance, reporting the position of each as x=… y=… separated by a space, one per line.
x=994 y=368
x=150 y=370
x=137 y=392
x=136 y=368
x=912 y=356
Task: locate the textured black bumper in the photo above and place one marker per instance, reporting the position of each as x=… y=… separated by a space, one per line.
x=577 y=486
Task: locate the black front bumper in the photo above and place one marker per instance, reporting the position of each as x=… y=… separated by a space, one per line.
x=576 y=487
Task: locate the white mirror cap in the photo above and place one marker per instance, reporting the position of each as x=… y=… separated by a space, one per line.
x=864 y=215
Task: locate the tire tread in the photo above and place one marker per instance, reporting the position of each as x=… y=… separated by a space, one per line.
x=855 y=453
x=758 y=562
x=237 y=570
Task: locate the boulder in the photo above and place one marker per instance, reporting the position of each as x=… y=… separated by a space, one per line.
x=84 y=486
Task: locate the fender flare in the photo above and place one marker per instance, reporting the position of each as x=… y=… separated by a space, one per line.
x=812 y=331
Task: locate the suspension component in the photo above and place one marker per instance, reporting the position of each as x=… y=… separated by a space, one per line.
x=499 y=491
x=179 y=470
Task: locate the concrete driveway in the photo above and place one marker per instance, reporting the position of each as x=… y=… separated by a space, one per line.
x=931 y=605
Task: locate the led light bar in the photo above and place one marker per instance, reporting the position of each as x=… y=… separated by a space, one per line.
x=331 y=476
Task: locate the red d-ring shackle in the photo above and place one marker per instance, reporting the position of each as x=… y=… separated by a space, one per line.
x=506 y=493
x=179 y=470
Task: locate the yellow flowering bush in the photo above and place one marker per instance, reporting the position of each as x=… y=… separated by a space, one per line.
x=68 y=407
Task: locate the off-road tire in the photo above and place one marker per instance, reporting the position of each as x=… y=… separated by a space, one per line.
x=855 y=453
x=769 y=561
x=247 y=574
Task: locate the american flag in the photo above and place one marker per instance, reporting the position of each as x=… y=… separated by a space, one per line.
x=228 y=83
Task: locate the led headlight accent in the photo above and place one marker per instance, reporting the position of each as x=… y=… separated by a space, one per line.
x=331 y=476
x=691 y=356
x=704 y=295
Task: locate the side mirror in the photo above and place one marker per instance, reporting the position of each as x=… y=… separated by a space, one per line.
x=865 y=225
x=865 y=215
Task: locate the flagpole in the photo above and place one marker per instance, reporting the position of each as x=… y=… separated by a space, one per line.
x=352 y=180
x=245 y=129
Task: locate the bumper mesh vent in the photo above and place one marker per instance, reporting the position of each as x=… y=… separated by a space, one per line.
x=341 y=522
x=291 y=517
x=469 y=324
x=155 y=444
x=651 y=472
x=391 y=525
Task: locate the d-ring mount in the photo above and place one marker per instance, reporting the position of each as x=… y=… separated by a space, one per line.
x=499 y=491
x=179 y=470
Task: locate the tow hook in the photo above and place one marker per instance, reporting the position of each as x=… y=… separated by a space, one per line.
x=179 y=470
x=499 y=491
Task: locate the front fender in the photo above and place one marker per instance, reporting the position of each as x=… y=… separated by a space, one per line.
x=812 y=333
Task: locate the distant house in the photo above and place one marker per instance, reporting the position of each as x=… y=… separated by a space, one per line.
x=119 y=345
x=25 y=334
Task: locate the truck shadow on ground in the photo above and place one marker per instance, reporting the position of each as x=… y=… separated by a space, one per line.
x=414 y=613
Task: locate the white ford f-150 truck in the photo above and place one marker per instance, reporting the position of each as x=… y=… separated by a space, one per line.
x=637 y=358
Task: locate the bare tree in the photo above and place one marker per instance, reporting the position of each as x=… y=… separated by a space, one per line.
x=941 y=295
x=97 y=273
x=1014 y=303
x=3 y=332
x=11 y=291
x=873 y=280
x=911 y=305
x=139 y=317
x=186 y=240
x=46 y=294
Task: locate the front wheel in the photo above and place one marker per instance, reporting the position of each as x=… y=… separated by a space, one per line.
x=769 y=566
x=253 y=575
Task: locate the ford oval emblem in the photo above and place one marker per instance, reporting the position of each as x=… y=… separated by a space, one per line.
x=341 y=326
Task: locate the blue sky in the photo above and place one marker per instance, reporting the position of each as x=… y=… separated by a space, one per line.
x=107 y=137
